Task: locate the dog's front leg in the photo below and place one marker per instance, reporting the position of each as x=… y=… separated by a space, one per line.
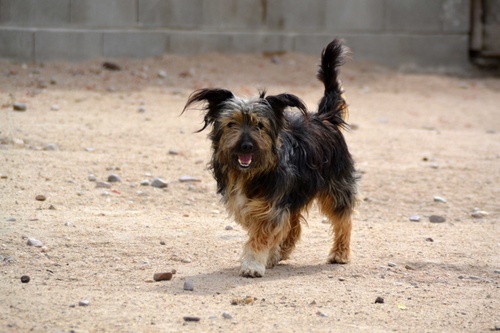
x=254 y=259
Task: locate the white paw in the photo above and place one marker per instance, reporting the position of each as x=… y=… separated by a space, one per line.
x=252 y=269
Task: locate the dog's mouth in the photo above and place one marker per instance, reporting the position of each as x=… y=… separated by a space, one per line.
x=245 y=160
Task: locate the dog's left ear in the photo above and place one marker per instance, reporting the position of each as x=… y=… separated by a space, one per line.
x=214 y=99
x=280 y=102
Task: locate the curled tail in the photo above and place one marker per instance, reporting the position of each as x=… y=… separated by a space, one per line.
x=332 y=106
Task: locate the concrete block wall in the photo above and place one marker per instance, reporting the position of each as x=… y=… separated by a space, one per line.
x=420 y=33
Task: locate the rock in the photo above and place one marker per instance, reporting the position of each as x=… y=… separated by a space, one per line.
x=19 y=107
x=436 y=219
x=415 y=218
x=162 y=74
x=173 y=152
x=141 y=109
x=439 y=199
x=186 y=260
x=191 y=318
x=476 y=213
x=113 y=178
x=91 y=178
x=226 y=315
x=497 y=271
x=89 y=149
x=429 y=239
x=34 y=242
x=102 y=185
x=166 y=276
x=497 y=327
x=391 y=264
x=410 y=268
x=162 y=243
x=144 y=182
x=40 y=197
x=321 y=314
x=159 y=183
x=188 y=285
x=379 y=300
x=55 y=107
x=25 y=279
x=341 y=279
x=228 y=227
x=83 y=302
x=110 y=66
x=11 y=219
x=184 y=179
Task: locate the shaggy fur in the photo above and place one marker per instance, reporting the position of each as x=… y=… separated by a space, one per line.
x=271 y=163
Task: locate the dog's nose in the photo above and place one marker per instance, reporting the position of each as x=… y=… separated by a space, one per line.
x=246 y=147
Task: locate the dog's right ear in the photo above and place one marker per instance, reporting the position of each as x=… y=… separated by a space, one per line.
x=214 y=98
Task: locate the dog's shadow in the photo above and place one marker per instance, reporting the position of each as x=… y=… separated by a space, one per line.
x=225 y=279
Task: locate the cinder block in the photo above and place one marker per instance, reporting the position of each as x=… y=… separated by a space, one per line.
x=186 y=14
x=295 y=15
x=186 y=42
x=261 y=42
x=109 y=13
x=136 y=44
x=414 y=15
x=71 y=45
x=456 y=16
x=34 y=13
x=354 y=15
x=239 y=15
x=17 y=44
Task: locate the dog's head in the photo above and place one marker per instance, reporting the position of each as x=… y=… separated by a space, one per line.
x=245 y=132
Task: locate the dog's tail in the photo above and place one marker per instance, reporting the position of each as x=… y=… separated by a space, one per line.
x=333 y=106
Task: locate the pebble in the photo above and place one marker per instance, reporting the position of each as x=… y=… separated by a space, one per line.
x=11 y=219
x=141 y=109
x=476 y=213
x=228 y=227
x=34 y=242
x=341 y=279
x=83 y=302
x=162 y=74
x=173 y=152
x=226 y=315
x=40 y=197
x=102 y=185
x=497 y=271
x=191 y=318
x=415 y=218
x=159 y=183
x=186 y=260
x=19 y=107
x=188 y=285
x=166 y=276
x=497 y=327
x=111 y=66
x=391 y=264
x=144 y=182
x=25 y=279
x=436 y=219
x=113 y=178
x=55 y=107
x=184 y=179
x=321 y=314
x=429 y=239
x=379 y=300
x=92 y=178
x=439 y=199
x=89 y=149
x=163 y=243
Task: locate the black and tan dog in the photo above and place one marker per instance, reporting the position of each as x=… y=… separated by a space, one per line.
x=270 y=164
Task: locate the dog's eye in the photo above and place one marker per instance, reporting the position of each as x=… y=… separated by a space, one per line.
x=260 y=126
x=231 y=124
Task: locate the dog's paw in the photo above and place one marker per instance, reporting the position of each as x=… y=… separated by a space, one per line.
x=338 y=258
x=252 y=269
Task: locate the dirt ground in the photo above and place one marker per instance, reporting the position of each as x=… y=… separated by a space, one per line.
x=414 y=137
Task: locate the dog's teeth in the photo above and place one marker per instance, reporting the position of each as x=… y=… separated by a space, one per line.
x=245 y=160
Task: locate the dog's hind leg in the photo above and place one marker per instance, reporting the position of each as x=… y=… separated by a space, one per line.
x=292 y=237
x=341 y=220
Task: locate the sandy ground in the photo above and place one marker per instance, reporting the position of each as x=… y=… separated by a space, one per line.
x=415 y=136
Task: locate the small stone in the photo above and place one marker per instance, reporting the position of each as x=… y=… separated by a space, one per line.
x=476 y=213
x=191 y=318
x=415 y=218
x=51 y=207
x=159 y=183
x=439 y=199
x=429 y=239
x=102 y=185
x=391 y=264
x=34 y=242
x=184 y=179
x=321 y=314
x=83 y=302
x=11 y=219
x=162 y=74
x=226 y=315
x=141 y=109
x=186 y=261
x=111 y=66
x=162 y=276
x=497 y=327
x=410 y=268
x=379 y=300
x=25 y=279
x=40 y=197
x=497 y=271
x=89 y=149
x=91 y=178
x=173 y=152
x=228 y=227
x=53 y=80
x=50 y=147
x=436 y=219
x=341 y=279
x=188 y=285
x=144 y=182
x=162 y=243
x=19 y=107
x=113 y=178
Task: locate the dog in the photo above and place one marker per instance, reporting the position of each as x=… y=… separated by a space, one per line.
x=271 y=164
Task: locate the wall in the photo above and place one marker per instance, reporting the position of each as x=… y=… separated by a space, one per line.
x=424 y=33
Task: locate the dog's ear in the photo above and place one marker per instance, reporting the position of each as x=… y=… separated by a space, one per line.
x=214 y=98
x=280 y=102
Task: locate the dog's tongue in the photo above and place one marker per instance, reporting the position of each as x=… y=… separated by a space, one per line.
x=245 y=159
